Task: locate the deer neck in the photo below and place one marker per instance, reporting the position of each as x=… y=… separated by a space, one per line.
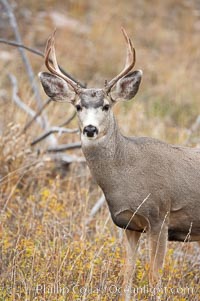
x=108 y=161
x=103 y=152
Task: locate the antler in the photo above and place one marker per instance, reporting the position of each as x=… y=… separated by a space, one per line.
x=52 y=65
x=130 y=62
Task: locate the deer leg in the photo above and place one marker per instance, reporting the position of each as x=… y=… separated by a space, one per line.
x=157 y=244
x=132 y=243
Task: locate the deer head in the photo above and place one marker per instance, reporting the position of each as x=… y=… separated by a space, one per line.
x=93 y=105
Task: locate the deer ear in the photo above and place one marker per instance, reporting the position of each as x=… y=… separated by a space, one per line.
x=56 y=88
x=127 y=86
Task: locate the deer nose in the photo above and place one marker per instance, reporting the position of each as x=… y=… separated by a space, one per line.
x=90 y=131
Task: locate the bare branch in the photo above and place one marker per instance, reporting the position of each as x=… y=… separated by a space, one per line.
x=19 y=102
x=35 y=89
x=39 y=53
x=97 y=206
x=64 y=147
x=15 y=28
x=53 y=130
x=66 y=159
x=13 y=43
x=26 y=108
x=37 y=114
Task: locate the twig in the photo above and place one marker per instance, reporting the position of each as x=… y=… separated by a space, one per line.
x=53 y=130
x=99 y=203
x=26 y=108
x=13 y=43
x=39 y=53
x=29 y=123
x=18 y=101
x=63 y=158
x=64 y=147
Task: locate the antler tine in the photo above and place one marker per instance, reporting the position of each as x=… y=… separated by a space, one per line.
x=52 y=65
x=50 y=56
x=130 y=62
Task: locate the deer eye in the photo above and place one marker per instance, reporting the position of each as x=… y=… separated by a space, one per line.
x=106 y=108
x=78 y=108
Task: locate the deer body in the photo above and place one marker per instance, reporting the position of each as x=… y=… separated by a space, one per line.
x=150 y=186
x=129 y=169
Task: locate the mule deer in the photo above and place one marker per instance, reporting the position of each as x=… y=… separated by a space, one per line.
x=150 y=186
